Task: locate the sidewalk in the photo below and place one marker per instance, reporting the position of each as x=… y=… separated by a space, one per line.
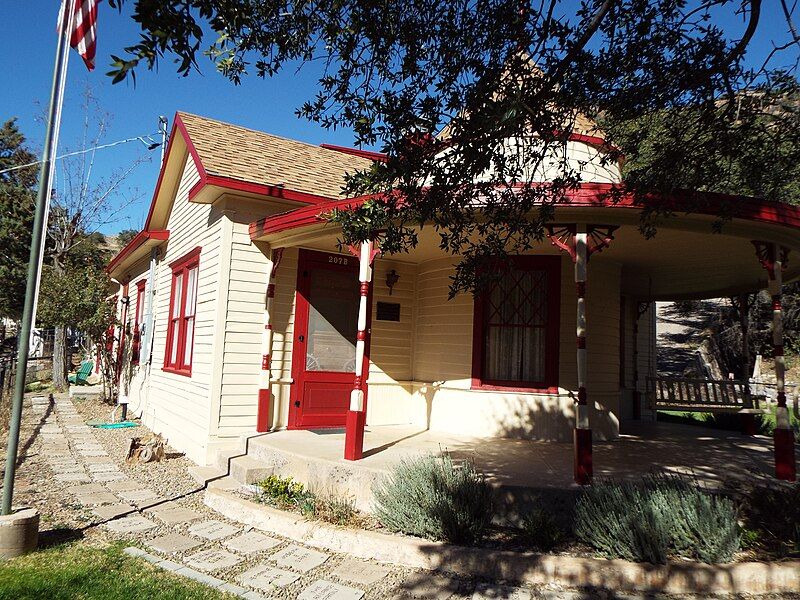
x=160 y=514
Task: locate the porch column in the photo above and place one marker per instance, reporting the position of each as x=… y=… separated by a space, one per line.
x=356 y=416
x=640 y=308
x=263 y=416
x=583 y=434
x=580 y=241
x=773 y=258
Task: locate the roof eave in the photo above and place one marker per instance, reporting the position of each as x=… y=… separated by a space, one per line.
x=135 y=251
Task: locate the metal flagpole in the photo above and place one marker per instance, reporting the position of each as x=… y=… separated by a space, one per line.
x=67 y=21
x=37 y=243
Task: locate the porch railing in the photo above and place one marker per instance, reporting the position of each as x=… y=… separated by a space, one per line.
x=699 y=395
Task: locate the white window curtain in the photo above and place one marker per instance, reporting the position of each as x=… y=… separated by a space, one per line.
x=515 y=328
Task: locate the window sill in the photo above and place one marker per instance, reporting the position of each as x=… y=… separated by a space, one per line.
x=488 y=387
x=174 y=371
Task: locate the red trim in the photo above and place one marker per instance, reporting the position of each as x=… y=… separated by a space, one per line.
x=139 y=239
x=121 y=346
x=263 y=412
x=371 y=155
x=177 y=126
x=589 y=195
x=182 y=267
x=583 y=469
x=273 y=191
x=137 y=319
x=306 y=259
x=300 y=217
x=551 y=265
x=592 y=140
x=785 y=465
x=354 y=443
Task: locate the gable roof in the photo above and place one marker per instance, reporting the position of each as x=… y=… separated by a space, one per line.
x=250 y=156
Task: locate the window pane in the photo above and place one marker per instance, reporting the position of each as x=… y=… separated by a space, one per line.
x=177 y=294
x=173 y=353
x=187 y=349
x=515 y=335
x=191 y=292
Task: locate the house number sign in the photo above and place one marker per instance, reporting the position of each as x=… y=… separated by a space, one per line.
x=337 y=259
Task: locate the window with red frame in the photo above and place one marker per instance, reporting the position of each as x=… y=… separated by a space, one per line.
x=516 y=326
x=182 y=306
x=138 y=316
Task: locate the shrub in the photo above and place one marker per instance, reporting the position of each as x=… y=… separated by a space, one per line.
x=335 y=509
x=542 y=529
x=283 y=492
x=655 y=518
x=773 y=510
x=436 y=498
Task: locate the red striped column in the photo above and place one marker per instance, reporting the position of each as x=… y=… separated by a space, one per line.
x=264 y=414
x=357 y=416
x=773 y=259
x=583 y=434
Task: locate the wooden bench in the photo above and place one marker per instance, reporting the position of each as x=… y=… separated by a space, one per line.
x=705 y=395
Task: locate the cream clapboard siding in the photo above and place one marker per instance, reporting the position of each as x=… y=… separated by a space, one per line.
x=646 y=354
x=246 y=282
x=390 y=391
x=442 y=361
x=282 y=335
x=179 y=406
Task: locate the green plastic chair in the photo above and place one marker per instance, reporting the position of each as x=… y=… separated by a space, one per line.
x=85 y=370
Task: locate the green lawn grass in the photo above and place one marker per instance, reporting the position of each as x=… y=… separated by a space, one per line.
x=79 y=571
x=727 y=421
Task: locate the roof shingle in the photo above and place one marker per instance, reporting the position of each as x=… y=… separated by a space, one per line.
x=255 y=157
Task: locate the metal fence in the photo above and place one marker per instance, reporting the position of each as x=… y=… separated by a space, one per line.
x=8 y=371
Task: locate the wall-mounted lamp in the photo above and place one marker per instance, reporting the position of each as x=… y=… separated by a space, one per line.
x=391 y=279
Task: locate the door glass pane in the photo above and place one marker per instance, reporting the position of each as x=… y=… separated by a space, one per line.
x=332 y=321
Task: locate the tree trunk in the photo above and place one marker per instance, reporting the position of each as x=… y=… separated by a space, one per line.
x=60 y=358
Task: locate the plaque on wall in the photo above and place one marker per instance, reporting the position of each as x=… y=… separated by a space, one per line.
x=388 y=311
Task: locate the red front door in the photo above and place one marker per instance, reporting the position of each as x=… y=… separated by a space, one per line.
x=324 y=351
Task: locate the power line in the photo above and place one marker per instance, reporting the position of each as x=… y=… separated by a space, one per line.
x=146 y=140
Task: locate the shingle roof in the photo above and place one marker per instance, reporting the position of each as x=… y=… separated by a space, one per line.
x=253 y=156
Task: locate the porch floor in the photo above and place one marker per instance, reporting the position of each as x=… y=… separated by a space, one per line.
x=712 y=455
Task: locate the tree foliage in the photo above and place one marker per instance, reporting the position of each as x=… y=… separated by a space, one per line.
x=17 y=198
x=125 y=236
x=76 y=294
x=474 y=102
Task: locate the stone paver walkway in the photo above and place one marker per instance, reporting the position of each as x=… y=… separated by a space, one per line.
x=190 y=540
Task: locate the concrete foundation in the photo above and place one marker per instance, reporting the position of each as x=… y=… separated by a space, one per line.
x=19 y=533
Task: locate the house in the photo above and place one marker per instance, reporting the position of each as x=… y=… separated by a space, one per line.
x=245 y=316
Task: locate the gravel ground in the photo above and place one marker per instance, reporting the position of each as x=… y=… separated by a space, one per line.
x=56 y=446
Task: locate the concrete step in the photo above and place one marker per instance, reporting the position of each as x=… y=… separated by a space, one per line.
x=247 y=470
x=226 y=483
x=223 y=456
x=204 y=475
x=340 y=478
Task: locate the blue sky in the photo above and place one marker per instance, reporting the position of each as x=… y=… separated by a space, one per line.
x=267 y=105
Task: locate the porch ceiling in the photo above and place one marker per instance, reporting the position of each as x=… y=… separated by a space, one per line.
x=684 y=260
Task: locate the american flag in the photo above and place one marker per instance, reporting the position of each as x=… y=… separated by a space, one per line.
x=84 y=29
